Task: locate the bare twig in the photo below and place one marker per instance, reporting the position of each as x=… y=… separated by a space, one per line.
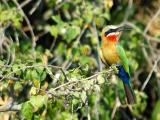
x=149 y=76
x=10 y=78
x=117 y=104
x=80 y=35
x=24 y=3
x=76 y=81
x=29 y=26
x=138 y=30
x=130 y=3
x=27 y=67
x=59 y=5
x=95 y=34
x=5 y=2
x=151 y=21
x=145 y=32
x=10 y=107
x=35 y=7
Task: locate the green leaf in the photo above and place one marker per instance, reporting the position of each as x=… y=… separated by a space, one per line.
x=83 y=96
x=57 y=19
x=35 y=75
x=100 y=79
x=72 y=33
x=18 y=86
x=54 y=31
x=27 y=74
x=36 y=83
x=41 y=72
x=11 y=16
x=76 y=94
x=33 y=91
x=27 y=110
x=156 y=111
x=15 y=68
x=38 y=101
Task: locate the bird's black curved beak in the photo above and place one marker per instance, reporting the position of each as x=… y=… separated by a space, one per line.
x=123 y=28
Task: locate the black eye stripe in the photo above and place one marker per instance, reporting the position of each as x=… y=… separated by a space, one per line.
x=110 y=31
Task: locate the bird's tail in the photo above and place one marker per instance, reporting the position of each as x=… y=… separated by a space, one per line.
x=129 y=94
x=124 y=76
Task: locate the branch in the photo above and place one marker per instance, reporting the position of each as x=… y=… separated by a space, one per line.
x=35 y=7
x=76 y=81
x=95 y=34
x=26 y=67
x=136 y=28
x=149 y=76
x=25 y=3
x=10 y=107
x=29 y=26
x=151 y=21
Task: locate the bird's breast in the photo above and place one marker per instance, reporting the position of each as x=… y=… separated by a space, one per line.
x=110 y=54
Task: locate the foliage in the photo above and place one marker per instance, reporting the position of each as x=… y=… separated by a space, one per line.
x=61 y=76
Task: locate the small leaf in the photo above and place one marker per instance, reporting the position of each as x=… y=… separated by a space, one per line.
x=54 y=31
x=156 y=111
x=18 y=86
x=100 y=79
x=83 y=96
x=27 y=75
x=76 y=94
x=27 y=111
x=36 y=83
x=33 y=91
x=38 y=101
x=34 y=75
x=57 y=19
x=72 y=33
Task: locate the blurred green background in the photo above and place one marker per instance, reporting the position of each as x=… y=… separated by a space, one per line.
x=50 y=65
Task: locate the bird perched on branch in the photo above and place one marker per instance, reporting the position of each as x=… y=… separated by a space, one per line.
x=113 y=53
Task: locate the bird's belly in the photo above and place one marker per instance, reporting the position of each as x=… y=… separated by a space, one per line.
x=111 y=57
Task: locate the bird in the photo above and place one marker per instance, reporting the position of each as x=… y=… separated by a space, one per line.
x=112 y=53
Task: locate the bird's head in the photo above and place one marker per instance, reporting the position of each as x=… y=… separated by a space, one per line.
x=111 y=32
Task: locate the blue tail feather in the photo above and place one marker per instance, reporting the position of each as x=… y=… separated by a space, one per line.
x=124 y=76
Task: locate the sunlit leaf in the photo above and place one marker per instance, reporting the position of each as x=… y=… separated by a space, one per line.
x=38 y=101
x=27 y=110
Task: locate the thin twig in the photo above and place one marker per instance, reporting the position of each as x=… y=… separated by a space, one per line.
x=130 y=3
x=80 y=35
x=25 y=3
x=27 y=67
x=151 y=21
x=29 y=26
x=10 y=78
x=10 y=107
x=146 y=30
x=138 y=30
x=149 y=76
x=35 y=7
x=61 y=4
x=98 y=45
x=117 y=104
x=76 y=81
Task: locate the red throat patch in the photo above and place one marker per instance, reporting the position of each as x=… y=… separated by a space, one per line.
x=112 y=38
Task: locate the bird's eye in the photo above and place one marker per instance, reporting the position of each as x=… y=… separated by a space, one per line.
x=110 y=31
x=107 y=32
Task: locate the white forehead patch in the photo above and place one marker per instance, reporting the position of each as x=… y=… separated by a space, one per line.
x=112 y=27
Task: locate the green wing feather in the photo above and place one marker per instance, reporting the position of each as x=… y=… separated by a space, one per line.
x=123 y=57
